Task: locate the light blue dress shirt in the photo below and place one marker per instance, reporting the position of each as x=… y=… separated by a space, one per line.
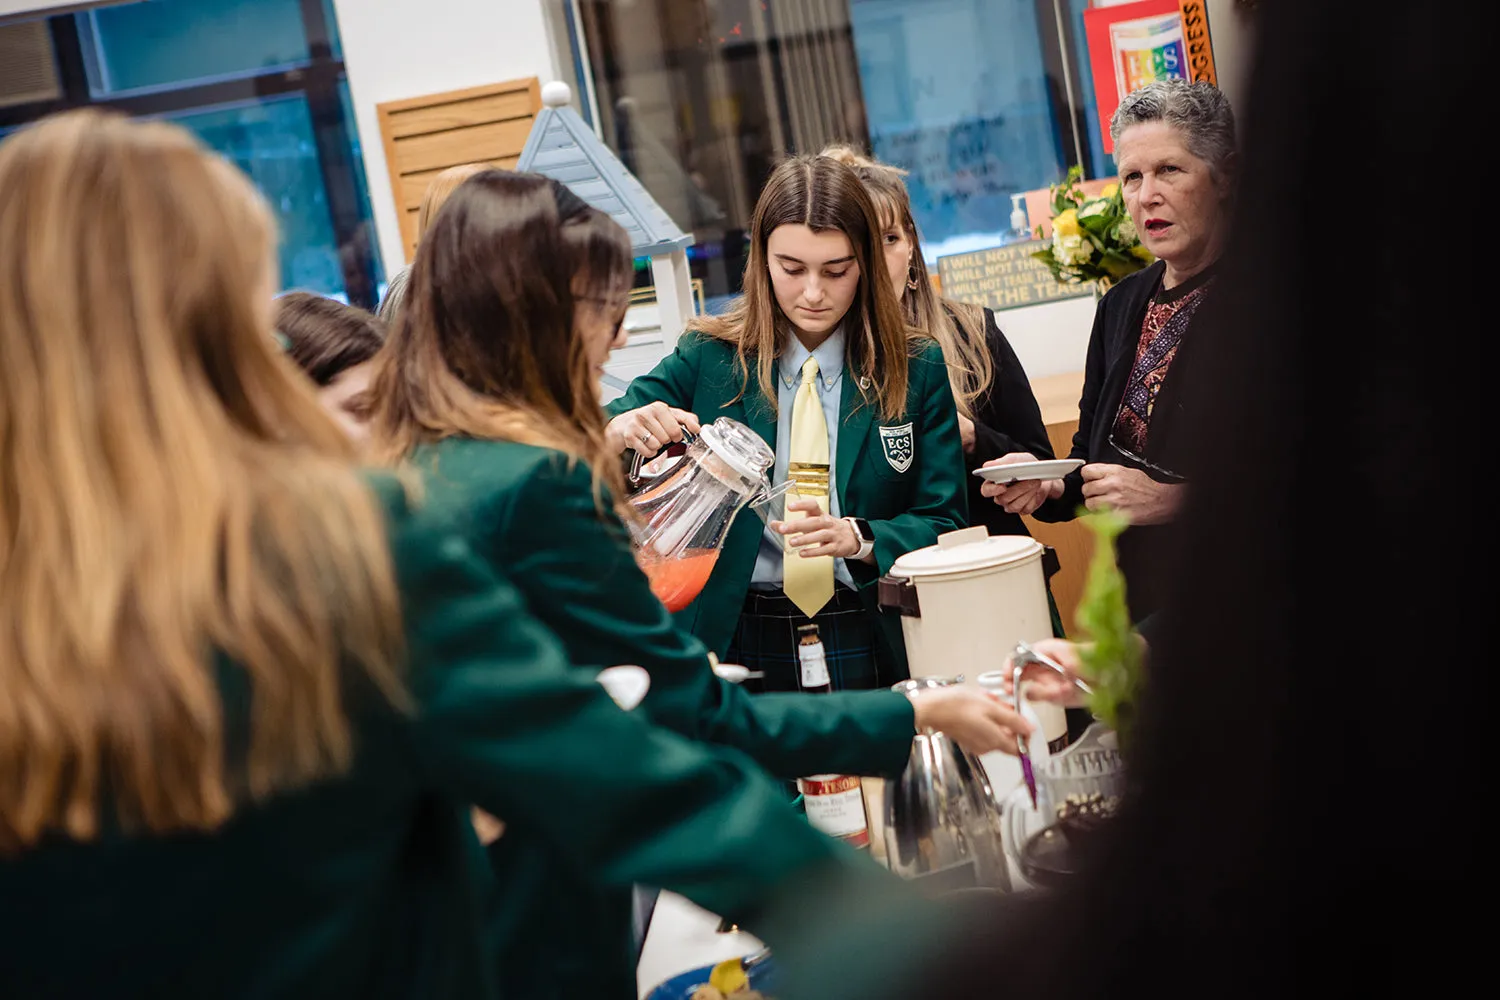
x=830 y=388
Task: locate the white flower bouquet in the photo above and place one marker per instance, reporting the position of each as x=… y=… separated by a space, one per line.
x=1093 y=239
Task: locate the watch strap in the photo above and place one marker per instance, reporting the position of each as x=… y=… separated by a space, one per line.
x=866 y=543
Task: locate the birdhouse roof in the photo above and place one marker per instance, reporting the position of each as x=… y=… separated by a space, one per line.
x=563 y=147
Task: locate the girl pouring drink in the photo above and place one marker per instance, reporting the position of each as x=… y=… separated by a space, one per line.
x=818 y=359
x=489 y=386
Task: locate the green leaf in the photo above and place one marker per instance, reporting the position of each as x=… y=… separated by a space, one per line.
x=1119 y=264
x=1112 y=659
x=1096 y=224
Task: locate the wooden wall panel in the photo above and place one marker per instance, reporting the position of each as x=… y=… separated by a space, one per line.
x=424 y=136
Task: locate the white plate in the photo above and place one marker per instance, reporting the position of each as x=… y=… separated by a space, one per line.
x=1053 y=469
x=627 y=685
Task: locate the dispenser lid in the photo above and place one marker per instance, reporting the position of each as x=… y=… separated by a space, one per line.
x=965 y=551
x=741 y=448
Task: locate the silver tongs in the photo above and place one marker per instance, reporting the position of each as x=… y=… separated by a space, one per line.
x=1023 y=657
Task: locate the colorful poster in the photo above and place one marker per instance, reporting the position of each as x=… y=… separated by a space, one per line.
x=1146 y=50
x=1132 y=44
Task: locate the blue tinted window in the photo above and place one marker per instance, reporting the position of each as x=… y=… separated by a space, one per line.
x=179 y=41
x=272 y=142
x=333 y=29
x=957 y=93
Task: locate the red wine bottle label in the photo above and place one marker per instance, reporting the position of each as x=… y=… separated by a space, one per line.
x=835 y=805
x=814 y=665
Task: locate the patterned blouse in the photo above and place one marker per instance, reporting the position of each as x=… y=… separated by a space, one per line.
x=1167 y=316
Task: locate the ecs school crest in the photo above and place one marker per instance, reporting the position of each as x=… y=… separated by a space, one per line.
x=898 y=445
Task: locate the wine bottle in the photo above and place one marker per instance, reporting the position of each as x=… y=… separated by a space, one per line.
x=835 y=803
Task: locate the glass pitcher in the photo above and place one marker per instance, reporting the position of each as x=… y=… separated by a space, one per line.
x=683 y=513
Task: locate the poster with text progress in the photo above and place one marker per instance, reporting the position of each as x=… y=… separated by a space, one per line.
x=1131 y=45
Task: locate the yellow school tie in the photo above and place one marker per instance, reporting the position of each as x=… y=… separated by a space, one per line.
x=808 y=582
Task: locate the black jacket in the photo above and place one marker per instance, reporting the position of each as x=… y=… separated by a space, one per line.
x=1006 y=419
x=1144 y=551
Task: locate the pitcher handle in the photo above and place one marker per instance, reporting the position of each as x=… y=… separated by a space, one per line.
x=634 y=478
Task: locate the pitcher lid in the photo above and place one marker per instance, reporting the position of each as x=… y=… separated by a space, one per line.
x=739 y=447
x=962 y=552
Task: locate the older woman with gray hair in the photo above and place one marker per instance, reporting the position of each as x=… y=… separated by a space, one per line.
x=1175 y=149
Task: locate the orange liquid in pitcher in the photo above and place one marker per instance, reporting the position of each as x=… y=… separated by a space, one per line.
x=676 y=582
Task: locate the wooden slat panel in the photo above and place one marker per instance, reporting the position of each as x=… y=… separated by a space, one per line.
x=455 y=114
x=529 y=84
x=425 y=135
x=462 y=145
x=414 y=186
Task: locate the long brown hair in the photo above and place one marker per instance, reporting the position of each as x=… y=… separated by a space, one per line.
x=958 y=327
x=487 y=345
x=169 y=487
x=824 y=195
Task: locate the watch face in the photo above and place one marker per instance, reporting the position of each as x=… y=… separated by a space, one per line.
x=865 y=531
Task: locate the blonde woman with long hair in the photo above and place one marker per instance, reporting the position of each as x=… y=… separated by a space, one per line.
x=246 y=693
x=997 y=411
x=818 y=359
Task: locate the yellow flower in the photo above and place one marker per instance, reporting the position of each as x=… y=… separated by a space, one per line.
x=1141 y=253
x=1066 y=224
x=1110 y=190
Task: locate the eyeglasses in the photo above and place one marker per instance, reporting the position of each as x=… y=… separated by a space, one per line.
x=1175 y=477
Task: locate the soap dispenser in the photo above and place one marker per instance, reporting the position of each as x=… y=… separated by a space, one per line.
x=1018 y=227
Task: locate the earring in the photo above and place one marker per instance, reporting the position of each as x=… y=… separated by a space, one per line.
x=911 y=278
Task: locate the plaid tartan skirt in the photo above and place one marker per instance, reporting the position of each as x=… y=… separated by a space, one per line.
x=765 y=639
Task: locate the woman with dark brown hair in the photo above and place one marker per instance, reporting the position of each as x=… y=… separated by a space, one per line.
x=335 y=344
x=819 y=360
x=439 y=190
x=489 y=386
x=246 y=693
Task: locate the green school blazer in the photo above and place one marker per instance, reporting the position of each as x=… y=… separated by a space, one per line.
x=373 y=884
x=532 y=512
x=905 y=476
